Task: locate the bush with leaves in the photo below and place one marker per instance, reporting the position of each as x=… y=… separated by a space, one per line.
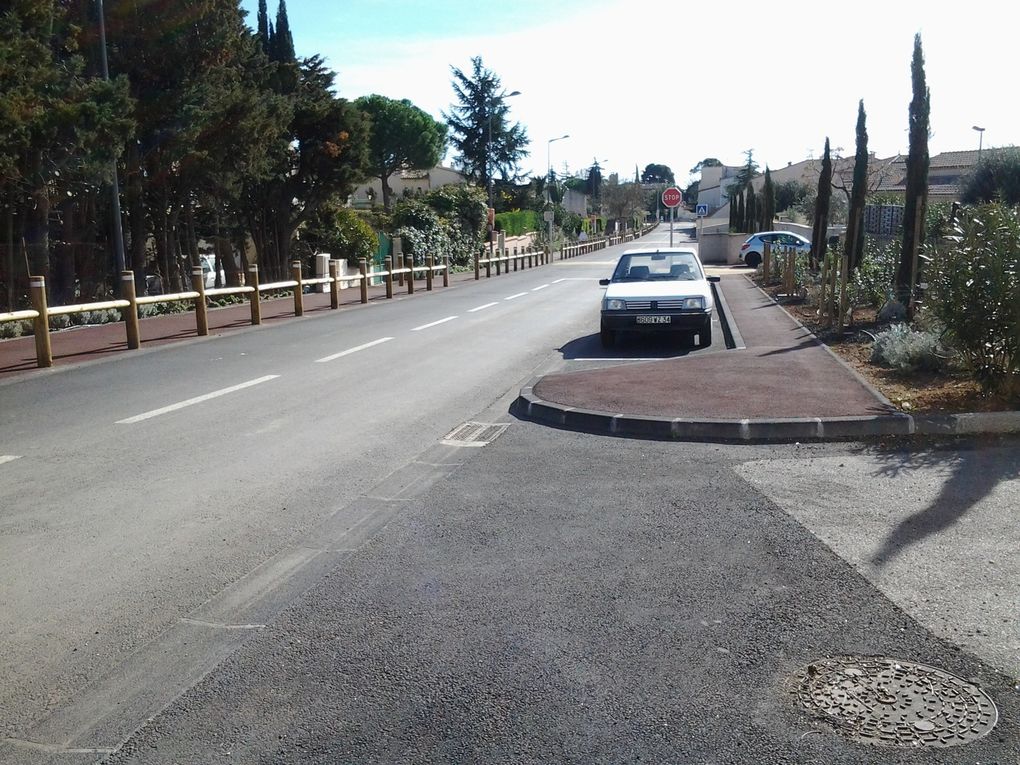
x=517 y=222
x=342 y=232
x=975 y=292
x=870 y=284
x=908 y=350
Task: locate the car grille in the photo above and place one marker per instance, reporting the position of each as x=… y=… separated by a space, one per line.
x=655 y=305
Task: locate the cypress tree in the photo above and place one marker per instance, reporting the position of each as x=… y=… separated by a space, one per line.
x=739 y=227
x=916 y=197
x=858 y=195
x=282 y=48
x=263 y=26
x=821 y=221
x=733 y=214
x=768 y=211
x=750 y=210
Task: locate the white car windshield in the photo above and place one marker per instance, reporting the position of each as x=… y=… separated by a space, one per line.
x=674 y=266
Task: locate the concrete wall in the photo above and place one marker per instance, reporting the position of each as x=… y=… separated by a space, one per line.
x=720 y=248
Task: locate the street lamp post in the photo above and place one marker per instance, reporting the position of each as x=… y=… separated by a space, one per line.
x=488 y=174
x=548 y=181
x=981 y=139
x=118 y=231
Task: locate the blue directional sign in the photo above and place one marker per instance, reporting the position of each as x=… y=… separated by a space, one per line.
x=702 y=210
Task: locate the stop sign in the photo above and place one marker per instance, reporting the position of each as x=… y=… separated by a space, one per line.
x=672 y=197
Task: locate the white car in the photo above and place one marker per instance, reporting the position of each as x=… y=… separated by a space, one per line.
x=752 y=251
x=658 y=291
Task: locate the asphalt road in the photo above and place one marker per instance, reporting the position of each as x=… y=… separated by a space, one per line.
x=258 y=547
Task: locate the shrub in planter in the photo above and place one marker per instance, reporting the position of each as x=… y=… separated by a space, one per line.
x=908 y=350
x=974 y=291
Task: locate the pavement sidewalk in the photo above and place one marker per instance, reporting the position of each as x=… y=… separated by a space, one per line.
x=783 y=384
x=82 y=344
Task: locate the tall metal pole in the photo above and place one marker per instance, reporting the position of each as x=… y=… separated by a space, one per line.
x=118 y=230
x=548 y=180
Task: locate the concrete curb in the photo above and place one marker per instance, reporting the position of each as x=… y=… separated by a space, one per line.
x=529 y=406
x=729 y=326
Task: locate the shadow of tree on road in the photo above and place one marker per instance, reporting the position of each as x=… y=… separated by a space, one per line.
x=974 y=472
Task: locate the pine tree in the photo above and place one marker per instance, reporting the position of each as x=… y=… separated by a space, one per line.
x=916 y=196
x=858 y=195
x=819 y=230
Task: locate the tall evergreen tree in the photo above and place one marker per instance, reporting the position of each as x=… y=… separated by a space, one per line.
x=263 y=26
x=283 y=43
x=858 y=195
x=819 y=231
x=750 y=210
x=768 y=207
x=487 y=143
x=739 y=222
x=916 y=195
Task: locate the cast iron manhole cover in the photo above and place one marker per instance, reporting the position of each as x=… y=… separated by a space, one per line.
x=895 y=703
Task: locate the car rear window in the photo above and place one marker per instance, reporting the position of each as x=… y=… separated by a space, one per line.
x=657 y=266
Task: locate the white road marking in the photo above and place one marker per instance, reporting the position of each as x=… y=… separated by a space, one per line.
x=514 y=297
x=575 y=279
x=536 y=289
x=349 y=351
x=195 y=400
x=432 y=324
x=629 y=358
x=482 y=307
x=9 y=458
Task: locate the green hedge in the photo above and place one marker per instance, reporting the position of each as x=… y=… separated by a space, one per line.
x=517 y=222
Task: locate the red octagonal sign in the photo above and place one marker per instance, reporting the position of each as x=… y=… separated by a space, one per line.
x=672 y=197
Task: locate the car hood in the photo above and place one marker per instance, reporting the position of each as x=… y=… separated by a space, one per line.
x=654 y=290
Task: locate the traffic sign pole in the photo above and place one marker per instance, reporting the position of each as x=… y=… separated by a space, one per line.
x=672 y=197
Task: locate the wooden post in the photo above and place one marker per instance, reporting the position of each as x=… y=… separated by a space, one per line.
x=429 y=262
x=478 y=266
x=488 y=266
x=515 y=260
x=334 y=286
x=409 y=265
x=446 y=270
x=398 y=257
x=389 y=276
x=299 y=288
x=363 y=268
x=127 y=290
x=840 y=310
x=914 y=258
x=256 y=296
x=41 y=323
x=766 y=263
x=201 y=317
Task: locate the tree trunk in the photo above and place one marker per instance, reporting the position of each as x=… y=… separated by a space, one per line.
x=387 y=192
x=37 y=232
x=134 y=198
x=62 y=289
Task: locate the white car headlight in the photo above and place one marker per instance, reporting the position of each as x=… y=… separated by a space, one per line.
x=694 y=304
x=616 y=305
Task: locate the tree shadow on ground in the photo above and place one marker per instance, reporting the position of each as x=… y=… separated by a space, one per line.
x=974 y=468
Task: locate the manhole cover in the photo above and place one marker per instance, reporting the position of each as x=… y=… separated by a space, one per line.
x=895 y=703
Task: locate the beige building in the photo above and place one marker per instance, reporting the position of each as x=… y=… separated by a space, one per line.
x=409 y=181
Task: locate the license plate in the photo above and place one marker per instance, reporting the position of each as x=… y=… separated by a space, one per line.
x=653 y=319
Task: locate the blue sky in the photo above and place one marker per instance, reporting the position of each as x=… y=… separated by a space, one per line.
x=641 y=81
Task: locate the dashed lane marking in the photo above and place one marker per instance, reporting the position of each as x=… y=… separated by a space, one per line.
x=536 y=289
x=9 y=458
x=195 y=400
x=433 y=323
x=481 y=307
x=514 y=297
x=349 y=351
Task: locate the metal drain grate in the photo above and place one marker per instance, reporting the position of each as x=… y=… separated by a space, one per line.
x=893 y=703
x=475 y=433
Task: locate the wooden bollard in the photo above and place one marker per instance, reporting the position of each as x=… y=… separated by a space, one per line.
x=488 y=266
x=446 y=270
x=389 y=276
x=429 y=262
x=256 y=296
x=41 y=323
x=409 y=265
x=478 y=265
x=201 y=316
x=299 y=288
x=363 y=268
x=334 y=286
x=515 y=260
x=127 y=288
